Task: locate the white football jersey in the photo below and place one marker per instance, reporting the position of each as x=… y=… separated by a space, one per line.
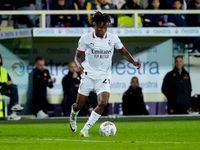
x=98 y=52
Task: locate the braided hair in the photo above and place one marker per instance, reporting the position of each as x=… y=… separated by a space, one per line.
x=99 y=17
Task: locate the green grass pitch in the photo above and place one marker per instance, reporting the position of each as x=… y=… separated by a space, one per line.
x=141 y=135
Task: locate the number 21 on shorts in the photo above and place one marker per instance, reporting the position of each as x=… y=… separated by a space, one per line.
x=106 y=81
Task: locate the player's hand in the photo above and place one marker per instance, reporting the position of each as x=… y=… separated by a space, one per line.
x=80 y=69
x=31 y=4
x=53 y=80
x=61 y=17
x=137 y=64
x=160 y=23
x=9 y=83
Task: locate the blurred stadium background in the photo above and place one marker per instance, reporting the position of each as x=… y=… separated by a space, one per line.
x=154 y=47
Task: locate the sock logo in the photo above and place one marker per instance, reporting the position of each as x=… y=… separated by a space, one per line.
x=89 y=125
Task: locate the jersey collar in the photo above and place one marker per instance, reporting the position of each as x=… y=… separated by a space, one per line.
x=94 y=35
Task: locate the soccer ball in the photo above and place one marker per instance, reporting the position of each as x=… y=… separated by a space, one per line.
x=107 y=129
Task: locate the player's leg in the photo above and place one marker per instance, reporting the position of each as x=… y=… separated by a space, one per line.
x=102 y=99
x=80 y=102
x=85 y=87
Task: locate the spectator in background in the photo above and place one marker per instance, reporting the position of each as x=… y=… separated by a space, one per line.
x=104 y=5
x=6 y=5
x=144 y=3
x=70 y=2
x=9 y=89
x=153 y=20
x=127 y=20
x=60 y=20
x=44 y=5
x=23 y=3
x=177 y=88
x=168 y=4
x=91 y=1
x=177 y=19
x=131 y=4
x=133 y=102
x=184 y=5
x=28 y=20
x=70 y=84
x=41 y=80
x=193 y=19
x=81 y=20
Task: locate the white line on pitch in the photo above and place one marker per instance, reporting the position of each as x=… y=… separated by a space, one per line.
x=95 y=141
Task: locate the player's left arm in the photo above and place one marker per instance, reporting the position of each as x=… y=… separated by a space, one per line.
x=129 y=58
x=77 y=59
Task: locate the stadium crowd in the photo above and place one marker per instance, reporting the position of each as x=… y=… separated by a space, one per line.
x=121 y=20
x=79 y=20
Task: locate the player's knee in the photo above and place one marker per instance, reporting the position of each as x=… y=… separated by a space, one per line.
x=102 y=104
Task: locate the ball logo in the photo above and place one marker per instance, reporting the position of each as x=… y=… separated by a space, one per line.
x=18 y=69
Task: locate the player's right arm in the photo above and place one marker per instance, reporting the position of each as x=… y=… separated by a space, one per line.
x=79 y=52
x=77 y=60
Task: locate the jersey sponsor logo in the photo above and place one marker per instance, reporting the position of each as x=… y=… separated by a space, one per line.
x=101 y=54
x=101 y=51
